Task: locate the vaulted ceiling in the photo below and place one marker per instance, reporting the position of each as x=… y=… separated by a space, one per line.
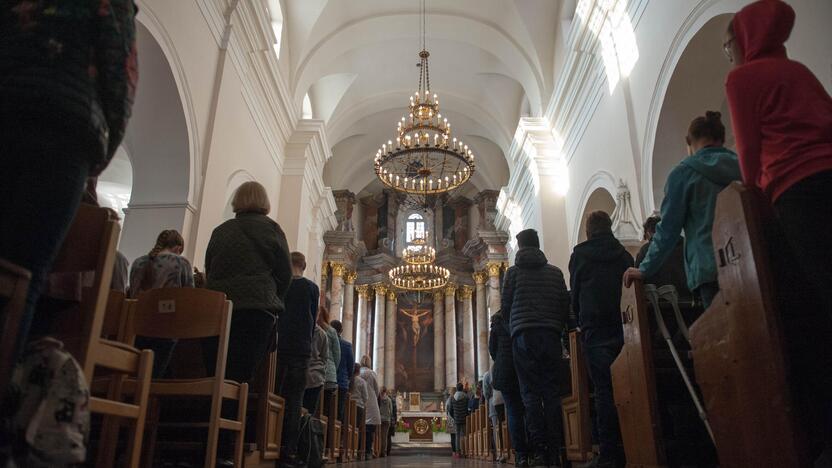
x=491 y=62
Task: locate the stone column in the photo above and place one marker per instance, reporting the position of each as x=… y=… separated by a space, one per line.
x=494 y=287
x=483 y=325
x=378 y=332
x=465 y=295
x=438 y=342
x=336 y=300
x=451 y=374
x=390 y=338
x=349 y=299
x=361 y=343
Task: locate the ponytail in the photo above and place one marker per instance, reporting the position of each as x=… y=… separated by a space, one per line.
x=167 y=239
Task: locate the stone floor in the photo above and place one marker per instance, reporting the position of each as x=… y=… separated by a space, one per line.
x=424 y=455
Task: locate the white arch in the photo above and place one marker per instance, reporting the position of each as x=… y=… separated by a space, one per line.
x=602 y=180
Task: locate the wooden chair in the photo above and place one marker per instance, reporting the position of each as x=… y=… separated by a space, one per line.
x=268 y=410
x=576 y=420
x=14 y=286
x=634 y=384
x=190 y=313
x=356 y=430
x=90 y=246
x=347 y=428
x=362 y=438
x=738 y=345
x=320 y=414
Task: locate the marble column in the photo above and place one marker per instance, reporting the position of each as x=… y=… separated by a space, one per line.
x=451 y=374
x=378 y=332
x=465 y=294
x=349 y=302
x=361 y=342
x=390 y=339
x=438 y=342
x=494 y=287
x=336 y=300
x=483 y=359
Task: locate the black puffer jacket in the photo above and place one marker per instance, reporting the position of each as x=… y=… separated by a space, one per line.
x=596 y=270
x=459 y=408
x=504 y=377
x=534 y=293
x=296 y=323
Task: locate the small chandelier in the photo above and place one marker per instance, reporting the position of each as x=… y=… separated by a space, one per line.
x=419 y=273
x=424 y=159
x=419 y=253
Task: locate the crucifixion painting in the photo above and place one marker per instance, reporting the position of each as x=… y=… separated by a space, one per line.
x=414 y=329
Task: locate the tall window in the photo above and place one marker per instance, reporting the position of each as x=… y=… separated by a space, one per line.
x=415 y=228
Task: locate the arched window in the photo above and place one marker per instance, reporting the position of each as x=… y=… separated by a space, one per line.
x=276 y=14
x=414 y=228
x=306 y=111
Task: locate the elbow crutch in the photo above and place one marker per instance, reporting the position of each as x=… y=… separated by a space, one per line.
x=653 y=296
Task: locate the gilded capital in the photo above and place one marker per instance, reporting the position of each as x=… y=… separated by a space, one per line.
x=480 y=277
x=450 y=289
x=363 y=290
x=437 y=296
x=494 y=269
x=350 y=276
x=380 y=289
x=466 y=292
x=338 y=269
x=392 y=295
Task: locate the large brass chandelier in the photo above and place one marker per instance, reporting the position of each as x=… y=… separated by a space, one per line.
x=419 y=273
x=424 y=158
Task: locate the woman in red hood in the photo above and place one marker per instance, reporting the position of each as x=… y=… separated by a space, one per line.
x=782 y=119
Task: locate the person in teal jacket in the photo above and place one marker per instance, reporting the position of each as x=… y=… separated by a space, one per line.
x=689 y=204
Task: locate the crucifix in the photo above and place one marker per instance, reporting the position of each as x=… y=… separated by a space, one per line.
x=418 y=327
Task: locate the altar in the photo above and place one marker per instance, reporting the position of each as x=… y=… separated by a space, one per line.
x=421 y=416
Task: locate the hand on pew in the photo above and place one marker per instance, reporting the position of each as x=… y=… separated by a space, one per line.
x=631 y=275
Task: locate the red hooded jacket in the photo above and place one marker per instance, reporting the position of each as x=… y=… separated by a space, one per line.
x=781 y=114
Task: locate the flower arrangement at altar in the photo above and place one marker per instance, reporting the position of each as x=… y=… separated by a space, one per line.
x=438 y=424
x=403 y=426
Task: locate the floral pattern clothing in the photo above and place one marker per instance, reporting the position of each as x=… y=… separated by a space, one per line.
x=169 y=271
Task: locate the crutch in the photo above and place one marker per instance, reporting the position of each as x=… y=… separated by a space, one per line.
x=653 y=297
x=668 y=292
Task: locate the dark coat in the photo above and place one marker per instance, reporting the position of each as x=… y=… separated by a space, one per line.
x=672 y=270
x=346 y=365
x=596 y=271
x=459 y=408
x=248 y=259
x=71 y=66
x=534 y=293
x=296 y=323
x=503 y=376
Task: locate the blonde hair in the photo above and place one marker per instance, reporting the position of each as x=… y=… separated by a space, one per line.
x=251 y=197
x=365 y=361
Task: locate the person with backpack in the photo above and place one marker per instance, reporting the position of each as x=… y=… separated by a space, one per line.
x=689 y=203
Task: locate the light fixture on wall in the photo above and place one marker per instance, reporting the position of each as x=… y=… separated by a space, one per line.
x=424 y=159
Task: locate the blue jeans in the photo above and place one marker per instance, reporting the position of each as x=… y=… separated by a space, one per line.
x=44 y=172
x=600 y=352
x=537 y=354
x=516 y=418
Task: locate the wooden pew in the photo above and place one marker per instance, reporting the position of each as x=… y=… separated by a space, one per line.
x=738 y=345
x=334 y=438
x=485 y=450
x=634 y=384
x=577 y=429
x=320 y=414
x=267 y=410
x=362 y=438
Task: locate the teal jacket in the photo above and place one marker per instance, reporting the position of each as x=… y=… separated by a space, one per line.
x=689 y=203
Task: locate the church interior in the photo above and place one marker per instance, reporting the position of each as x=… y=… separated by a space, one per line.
x=398 y=160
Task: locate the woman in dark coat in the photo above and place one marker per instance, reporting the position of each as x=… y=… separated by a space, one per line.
x=504 y=379
x=248 y=259
x=67 y=79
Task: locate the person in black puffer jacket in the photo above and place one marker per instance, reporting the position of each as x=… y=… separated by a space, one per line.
x=68 y=75
x=596 y=268
x=504 y=379
x=536 y=303
x=459 y=411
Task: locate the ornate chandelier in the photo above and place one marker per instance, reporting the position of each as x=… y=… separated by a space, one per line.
x=419 y=273
x=424 y=159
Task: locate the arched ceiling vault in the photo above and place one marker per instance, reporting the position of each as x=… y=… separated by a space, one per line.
x=490 y=61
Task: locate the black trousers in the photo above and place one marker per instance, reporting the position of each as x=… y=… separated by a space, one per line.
x=804 y=269
x=290 y=384
x=342 y=402
x=311 y=397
